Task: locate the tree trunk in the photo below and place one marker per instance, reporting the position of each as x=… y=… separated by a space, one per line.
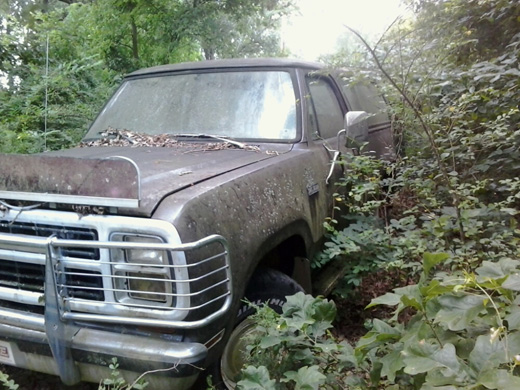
x=135 y=41
x=209 y=53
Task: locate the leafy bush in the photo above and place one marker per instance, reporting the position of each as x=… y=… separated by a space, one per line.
x=117 y=382
x=455 y=110
x=462 y=331
x=465 y=332
x=452 y=201
x=295 y=350
x=7 y=382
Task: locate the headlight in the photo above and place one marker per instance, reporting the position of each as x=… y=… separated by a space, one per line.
x=142 y=276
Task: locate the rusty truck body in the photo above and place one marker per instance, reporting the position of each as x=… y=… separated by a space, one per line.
x=197 y=185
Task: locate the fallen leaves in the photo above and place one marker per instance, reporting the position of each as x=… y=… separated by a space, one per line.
x=115 y=137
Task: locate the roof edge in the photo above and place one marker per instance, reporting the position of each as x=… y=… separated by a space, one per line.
x=230 y=64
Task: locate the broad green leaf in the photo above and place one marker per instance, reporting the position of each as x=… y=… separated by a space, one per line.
x=430 y=260
x=324 y=310
x=513 y=343
x=457 y=312
x=269 y=341
x=305 y=310
x=427 y=386
x=494 y=270
x=307 y=378
x=382 y=327
x=392 y=363
x=500 y=380
x=256 y=378
x=435 y=288
x=510 y=211
x=487 y=354
x=347 y=356
x=327 y=347
x=411 y=291
x=423 y=357
x=304 y=356
x=512 y=282
x=438 y=379
x=513 y=318
x=412 y=302
x=296 y=304
x=298 y=310
x=389 y=299
x=381 y=332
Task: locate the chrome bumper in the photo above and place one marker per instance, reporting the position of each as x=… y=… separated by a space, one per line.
x=63 y=335
x=175 y=364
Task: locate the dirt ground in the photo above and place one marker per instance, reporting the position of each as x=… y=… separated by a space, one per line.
x=29 y=380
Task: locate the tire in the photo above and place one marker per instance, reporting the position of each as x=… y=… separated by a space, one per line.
x=266 y=285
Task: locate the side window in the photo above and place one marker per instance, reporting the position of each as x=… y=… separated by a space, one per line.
x=363 y=96
x=325 y=113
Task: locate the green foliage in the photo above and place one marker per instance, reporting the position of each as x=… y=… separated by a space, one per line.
x=8 y=383
x=295 y=350
x=73 y=99
x=117 y=382
x=458 y=330
x=449 y=204
x=454 y=103
x=361 y=192
x=464 y=331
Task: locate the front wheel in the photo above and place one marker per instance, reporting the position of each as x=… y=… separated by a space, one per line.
x=266 y=286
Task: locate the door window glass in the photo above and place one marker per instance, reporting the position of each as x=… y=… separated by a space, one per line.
x=325 y=113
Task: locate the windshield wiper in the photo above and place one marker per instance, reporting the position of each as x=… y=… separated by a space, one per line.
x=223 y=138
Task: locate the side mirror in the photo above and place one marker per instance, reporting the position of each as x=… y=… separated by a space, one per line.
x=356 y=126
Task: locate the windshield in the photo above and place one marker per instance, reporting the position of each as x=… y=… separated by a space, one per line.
x=256 y=105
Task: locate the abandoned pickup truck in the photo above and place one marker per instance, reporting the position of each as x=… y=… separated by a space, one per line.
x=197 y=185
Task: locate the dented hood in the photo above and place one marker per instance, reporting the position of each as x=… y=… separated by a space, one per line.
x=136 y=178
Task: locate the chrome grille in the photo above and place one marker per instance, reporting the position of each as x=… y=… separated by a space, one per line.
x=65 y=232
x=96 y=276
x=22 y=276
x=27 y=276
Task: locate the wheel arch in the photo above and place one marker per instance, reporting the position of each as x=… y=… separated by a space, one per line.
x=288 y=251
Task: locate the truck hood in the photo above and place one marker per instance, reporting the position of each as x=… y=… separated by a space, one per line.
x=161 y=172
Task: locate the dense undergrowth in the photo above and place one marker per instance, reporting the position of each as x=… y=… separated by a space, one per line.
x=440 y=222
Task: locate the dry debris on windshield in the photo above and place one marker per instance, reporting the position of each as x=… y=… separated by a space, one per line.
x=116 y=137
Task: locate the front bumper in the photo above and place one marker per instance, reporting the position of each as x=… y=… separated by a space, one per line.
x=64 y=313
x=175 y=364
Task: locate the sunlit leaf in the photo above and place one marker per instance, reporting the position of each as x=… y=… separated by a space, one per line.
x=430 y=260
x=256 y=379
x=457 y=312
x=306 y=378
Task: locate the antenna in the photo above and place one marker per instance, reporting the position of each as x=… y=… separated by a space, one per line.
x=46 y=94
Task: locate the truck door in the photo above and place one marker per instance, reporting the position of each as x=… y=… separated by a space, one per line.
x=325 y=118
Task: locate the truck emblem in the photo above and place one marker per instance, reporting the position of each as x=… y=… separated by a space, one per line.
x=313 y=189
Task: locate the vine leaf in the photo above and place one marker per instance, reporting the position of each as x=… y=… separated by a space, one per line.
x=430 y=260
x=389 y=299
x=500 y=380
x=512 y=282
x=499 y=270
x=513 y=318
x=256 y=379
x=487 y=354
x=307 y=378
x=423 y=357
x=392 y=363
x=457 y=312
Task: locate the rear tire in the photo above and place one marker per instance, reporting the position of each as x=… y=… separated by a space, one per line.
x=266 y=286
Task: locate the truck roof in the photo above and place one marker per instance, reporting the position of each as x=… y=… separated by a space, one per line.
x=229 y=63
